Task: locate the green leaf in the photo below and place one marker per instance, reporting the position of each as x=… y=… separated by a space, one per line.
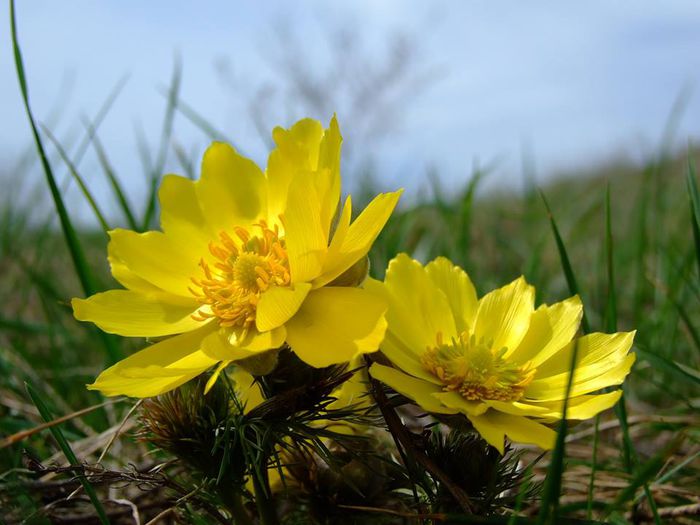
x=68 y=452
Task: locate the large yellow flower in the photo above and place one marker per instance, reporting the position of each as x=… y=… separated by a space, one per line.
x=246 y=261
x=496 y=359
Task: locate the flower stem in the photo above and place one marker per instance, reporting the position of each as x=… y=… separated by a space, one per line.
x=233 y=501
x=402 y=435
x=266 y=507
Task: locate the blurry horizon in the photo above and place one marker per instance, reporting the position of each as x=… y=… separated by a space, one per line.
x=417 y=87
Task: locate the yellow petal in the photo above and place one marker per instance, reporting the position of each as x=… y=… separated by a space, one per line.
x=215 y=376
x=157 y=368
x=328 y=176
x=551 y=329
x=418 y=310
x=405 y=359
x=504 y=314
x=129 y=279
x=231 y=345
x=354 y=391
x=493 y=425
x=132 y=314
x=587 y=379
x=334 y=324
x=346 y=249
x=247 y=389
x=493 y=433
x=278 y=304
x=155 y=258
x=592 y=348
x=297 y=151
x=459 y=290
x=305 y=240
x=231 y=190
x=581 y=407
x=456 y=401
x=181 y=217
x=418 y=390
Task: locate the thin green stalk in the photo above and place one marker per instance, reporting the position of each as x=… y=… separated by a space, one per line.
x=197 y=119
x=565 y=262
x=549 y=509
x=166 y=133
x=81 y=183
x=77 y=255
x=628 y=451
x=694 y=196
x=82 y=269
x=76 y=251
x=594 y=466
x=266 y=507
x=113 y=180
x=68 y=452
x=96 y=122
x=233 y=500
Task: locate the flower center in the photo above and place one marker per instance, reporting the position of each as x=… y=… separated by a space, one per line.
x=246 y=265
x=475 y=370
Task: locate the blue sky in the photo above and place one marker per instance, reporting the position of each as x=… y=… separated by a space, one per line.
x=574 y=83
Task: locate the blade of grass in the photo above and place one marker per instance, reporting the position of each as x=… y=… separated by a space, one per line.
x=628 y=451
x=166 y=133
x=197 y=119
x=111 y=176
x=77 y=255
x=694 y=196
x=97 y=121
x=82 y=269
x=68 y=451
x=549 y=508
x=81 y=183
x=24 y=434
x=564 y=259
x=645 y=474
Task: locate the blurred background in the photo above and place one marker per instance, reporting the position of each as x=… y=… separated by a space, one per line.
x=421 y=89
x=483 y=111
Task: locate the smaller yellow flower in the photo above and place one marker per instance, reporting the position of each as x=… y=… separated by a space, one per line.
x=498 y=360
x=247 y=260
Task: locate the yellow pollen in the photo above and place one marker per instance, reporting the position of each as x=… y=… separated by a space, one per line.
x=245 y=266
x=476 y=370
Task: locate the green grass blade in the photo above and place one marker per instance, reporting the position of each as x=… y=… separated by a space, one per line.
x=594 y=466
x=611 y=305
x=549 y=508
x=166 y=133
x=694 y=207
x=112 y=178
x=68 y=452
x=82 y=269
x=668 y=366
x=81 y=183
x=76 y=251
x=565 y=262
x=643 y=476
x=197 y=119
x=97 y=122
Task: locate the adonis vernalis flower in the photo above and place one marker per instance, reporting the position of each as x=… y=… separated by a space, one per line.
x=497 y=360
x=246 y=261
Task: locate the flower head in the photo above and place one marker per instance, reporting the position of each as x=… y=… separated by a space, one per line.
x=246 y=261
x=497 y=360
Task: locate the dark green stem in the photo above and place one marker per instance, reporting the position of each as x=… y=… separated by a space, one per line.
x=263 y=499
x=233 y=500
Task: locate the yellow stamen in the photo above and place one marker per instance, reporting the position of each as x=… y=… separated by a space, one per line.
x=476 y=370
x=245 y=267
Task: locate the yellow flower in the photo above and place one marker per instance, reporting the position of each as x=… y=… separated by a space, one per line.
x=245 y=261
x=496 y=359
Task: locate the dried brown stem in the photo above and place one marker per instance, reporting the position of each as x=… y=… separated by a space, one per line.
x=405 y=438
